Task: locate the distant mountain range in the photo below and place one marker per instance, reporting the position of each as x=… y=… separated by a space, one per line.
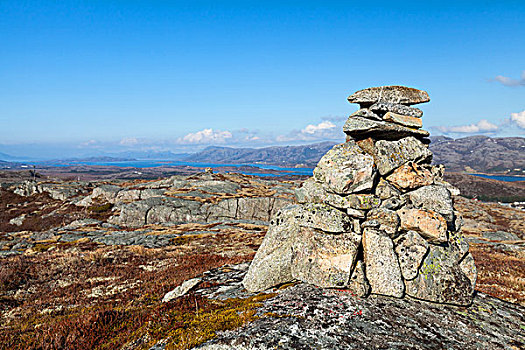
x=481 y=154
x=474 y=154
x=307 y=155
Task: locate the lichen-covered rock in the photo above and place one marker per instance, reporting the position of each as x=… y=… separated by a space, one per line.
x=387 y=219
x=382 y=267
x=434 y=197
x=325 y=260
x=312 y=191
x=383 y=108
x=429 y=224
x=389 y=155
x=389 y=94
x=346 y=169
x=323 y=217
x=410 y=176
x=468 y=267
x=360 y=128
x=441 y=279
x=410 y=250
x=271 y=265
x=366 y=113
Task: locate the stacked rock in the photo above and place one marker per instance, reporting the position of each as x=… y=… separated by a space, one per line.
x=376 y=217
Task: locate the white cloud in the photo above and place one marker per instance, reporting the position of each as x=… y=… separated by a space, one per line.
x=482 y=126
x=325 y=130
x=510 y=81
x=205 y=136
x=129 y=141
x=313 y=129
x=518 y=119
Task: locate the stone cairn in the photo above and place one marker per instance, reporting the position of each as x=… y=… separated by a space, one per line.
x=376 y=217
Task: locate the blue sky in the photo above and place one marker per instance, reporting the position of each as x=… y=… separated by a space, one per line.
x=80 y=77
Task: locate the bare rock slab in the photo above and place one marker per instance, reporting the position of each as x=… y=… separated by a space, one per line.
x=405 y=120
x=441 y=279
x=411 y=249
x=271 y=265
x=325 y=260
x=389 y=94
x=382 y=267
x=346 y=169
x=360 y=128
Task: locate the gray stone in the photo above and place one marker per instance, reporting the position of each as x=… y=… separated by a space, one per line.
x=382 y=267
x=181 y=290
x=325 y=260
x=271 y=265
x=323 y=217
x=389 y=155
x=360 y=128
x=312 y=191
x=441 y=279
x=383 y=108
x=410 y=250
x=384 y=190
x=468 y=267
x=346 y=169
x=366 y=113
x=434 y=197
x=18 y=221
x=388 y=220
x=389 y=94
x=358 y=283
x=500 y=236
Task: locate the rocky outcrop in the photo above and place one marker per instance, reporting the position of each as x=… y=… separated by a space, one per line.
x=376 y=216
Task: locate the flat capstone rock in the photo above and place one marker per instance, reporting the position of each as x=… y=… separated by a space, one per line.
x=389 y=94
x=360 y=128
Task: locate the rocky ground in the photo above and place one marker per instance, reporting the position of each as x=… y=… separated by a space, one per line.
x=85 y=265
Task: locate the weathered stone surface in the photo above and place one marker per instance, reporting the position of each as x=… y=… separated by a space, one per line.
x=18 y=221
x=384 y=190
x=312 y=191
x=358 y=283
x=271 y=265
x=346 y=169
x=389 y=155
x=410 y=250
x=325 y=260
x=382 y=108
x=468 y=267
x=410 y=176
x=389 y=94
x=181 y=290
x=434 y=197
x=382 y=267
x=388 y=220
x=411 y=122
x=360 y=128
x=315 y=318
x=429 y=224
x=366 y=113
x=441 y=279
x=323 y=217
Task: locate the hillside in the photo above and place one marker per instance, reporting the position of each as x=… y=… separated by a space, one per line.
x=308 y=155
x=481 y=154
x=474 y=154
